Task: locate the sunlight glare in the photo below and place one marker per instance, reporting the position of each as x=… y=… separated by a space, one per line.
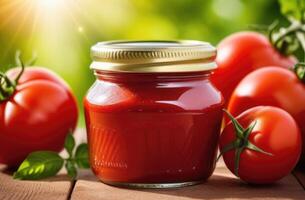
x=80 y=29
x=48 y=4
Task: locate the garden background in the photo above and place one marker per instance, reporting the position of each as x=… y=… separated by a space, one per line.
x=61 y=32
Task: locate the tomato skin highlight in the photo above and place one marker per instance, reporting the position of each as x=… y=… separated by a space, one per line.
x=276 y=132
x=38 y=116
x=272 y=86
x=242 y=53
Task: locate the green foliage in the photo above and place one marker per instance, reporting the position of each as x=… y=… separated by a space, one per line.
x=71 y=169
x=82 y=156
x=69 y=144
x=293 y=8
x=44 y=164
x=39 y=165
x=62 y=39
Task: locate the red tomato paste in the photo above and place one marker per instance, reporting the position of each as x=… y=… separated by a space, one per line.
x=153 y=129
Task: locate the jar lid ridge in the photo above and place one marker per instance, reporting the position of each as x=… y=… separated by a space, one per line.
x=153 y=56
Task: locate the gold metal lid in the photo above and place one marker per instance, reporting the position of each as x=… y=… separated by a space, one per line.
x=153 y=56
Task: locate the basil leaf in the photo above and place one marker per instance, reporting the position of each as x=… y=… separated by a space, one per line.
x=39 y=165
x=293 y=8
x=71 y=169
x=82 y=156
x=69 y=144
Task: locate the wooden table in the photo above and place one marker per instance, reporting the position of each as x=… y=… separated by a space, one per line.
x=222 y=185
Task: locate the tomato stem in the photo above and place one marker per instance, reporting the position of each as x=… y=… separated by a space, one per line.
x=287 y=40
x=301 y=39
x=271 y=30
x=2 y=91
x=19 y=62
x=241 y=142
x=20 y=73
x=8 y=86
x=299 y=70
x=287 y=32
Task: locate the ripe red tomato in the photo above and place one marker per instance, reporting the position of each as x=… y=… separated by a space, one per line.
x=36 y=116
x=241 y=53
x=271 y=86
x=269 y=151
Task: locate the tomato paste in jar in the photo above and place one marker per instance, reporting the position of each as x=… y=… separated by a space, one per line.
x=153 y=118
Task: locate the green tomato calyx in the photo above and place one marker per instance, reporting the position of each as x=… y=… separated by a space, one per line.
x=299 y=70
x=8 y=86
x=241 y=142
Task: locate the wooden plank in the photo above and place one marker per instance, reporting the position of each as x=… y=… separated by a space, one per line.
x=222 y=185
x=299 y=173
x=56 y=188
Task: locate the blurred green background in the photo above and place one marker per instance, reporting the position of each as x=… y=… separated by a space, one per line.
x=61 y=32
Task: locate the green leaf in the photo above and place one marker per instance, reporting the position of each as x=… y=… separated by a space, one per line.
x=71 y=169
x=82 y=156
x=293 y=8
x=69 y=144
x=39 y=165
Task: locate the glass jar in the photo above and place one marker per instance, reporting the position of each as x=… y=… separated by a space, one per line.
x=153 y=118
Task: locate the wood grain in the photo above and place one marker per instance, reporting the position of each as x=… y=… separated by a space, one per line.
x=299 y=174
x=56 y=188
x=222 y=185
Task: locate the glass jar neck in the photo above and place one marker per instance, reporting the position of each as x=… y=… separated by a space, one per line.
x=151 y=77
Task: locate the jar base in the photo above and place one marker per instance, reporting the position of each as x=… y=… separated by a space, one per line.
x=151 y=185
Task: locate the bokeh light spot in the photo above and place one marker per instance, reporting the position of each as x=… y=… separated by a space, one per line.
x=227 y=9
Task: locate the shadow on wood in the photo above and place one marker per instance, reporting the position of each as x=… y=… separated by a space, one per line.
x=56 y=188
x=222 y=185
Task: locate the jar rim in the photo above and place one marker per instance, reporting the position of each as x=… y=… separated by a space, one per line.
x=153 y=56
